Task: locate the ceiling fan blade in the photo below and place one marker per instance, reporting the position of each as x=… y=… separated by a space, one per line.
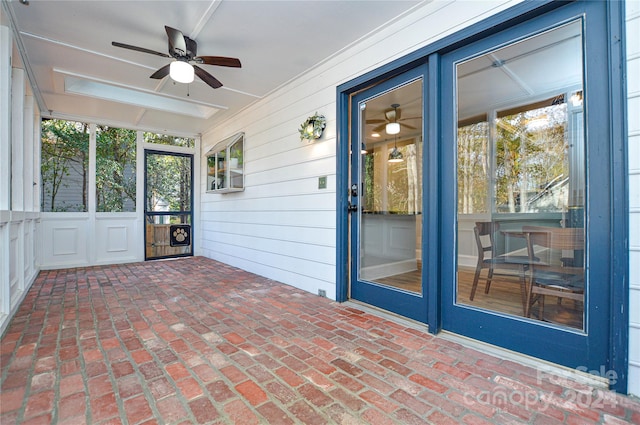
x=161 y=73
x=377 y=121
x=207 y=78
x=139 y=49
x=379 y=128
x=408 y=126
x=176 y=41
x=219 y=60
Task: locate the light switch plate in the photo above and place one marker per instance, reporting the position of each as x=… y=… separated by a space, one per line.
x=322 y=182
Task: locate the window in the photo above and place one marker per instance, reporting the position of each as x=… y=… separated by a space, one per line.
x=225 y=165
x=115 y=169
x=65 y=165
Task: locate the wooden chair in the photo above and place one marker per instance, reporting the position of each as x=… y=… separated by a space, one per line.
x=484 y=233
x=551 y=273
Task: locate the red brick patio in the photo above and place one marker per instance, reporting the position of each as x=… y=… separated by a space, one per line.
x=196 y=341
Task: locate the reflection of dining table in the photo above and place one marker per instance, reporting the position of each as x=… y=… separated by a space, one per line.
x=517 y=254
x=547 y=238
x=518 y=257
x=559 y=271
x=515 y=233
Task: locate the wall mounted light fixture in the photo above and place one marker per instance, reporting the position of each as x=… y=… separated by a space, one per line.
x=313 y=127
x=576 y=98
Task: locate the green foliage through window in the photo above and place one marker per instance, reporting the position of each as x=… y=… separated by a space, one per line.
x=115 y=169
x=64 y=165
x=168 y=182
x=165 y=139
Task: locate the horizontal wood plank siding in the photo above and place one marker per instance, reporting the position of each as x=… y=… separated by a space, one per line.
x=282 y=225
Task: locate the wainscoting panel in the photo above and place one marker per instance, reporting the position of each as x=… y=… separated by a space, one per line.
x=63 y=240
x=117 y=239
x=77 y=240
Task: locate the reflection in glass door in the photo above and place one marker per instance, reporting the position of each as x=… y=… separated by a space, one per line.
x=168 y=205
x=527 y=190
x=386 y=194
x=521 y=176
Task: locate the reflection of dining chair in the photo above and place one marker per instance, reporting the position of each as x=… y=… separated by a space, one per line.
x=484 y=232
x=551 y=273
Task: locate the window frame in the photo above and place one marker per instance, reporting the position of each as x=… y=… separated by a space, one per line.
x=229 y=173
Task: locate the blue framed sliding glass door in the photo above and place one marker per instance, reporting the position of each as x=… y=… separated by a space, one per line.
x=526 y=173
x=524 y=192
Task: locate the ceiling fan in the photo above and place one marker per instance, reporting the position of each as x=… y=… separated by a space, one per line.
x=392 y=122
x=184 y=51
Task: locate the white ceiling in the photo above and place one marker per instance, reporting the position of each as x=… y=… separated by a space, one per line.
x=66 y=46
x=538 y=68
x=542 y=66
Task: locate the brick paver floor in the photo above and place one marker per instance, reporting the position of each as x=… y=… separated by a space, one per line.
x=196 y=341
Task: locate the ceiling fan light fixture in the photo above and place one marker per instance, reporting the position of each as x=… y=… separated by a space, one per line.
x=181 y=71
x=395 y=155
x=392 y=128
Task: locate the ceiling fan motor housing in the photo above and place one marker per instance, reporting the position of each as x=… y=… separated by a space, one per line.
x=192 y=49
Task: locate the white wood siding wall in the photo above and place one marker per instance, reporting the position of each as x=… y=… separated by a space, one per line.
x=19 y=158
x=633 y=112
x=282 y=226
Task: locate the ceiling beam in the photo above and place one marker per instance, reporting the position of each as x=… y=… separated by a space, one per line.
x=205 y=19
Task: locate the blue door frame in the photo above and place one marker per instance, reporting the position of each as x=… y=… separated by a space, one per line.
x=604 y=344
x=409 y=304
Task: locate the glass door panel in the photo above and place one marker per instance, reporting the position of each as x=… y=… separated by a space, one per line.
x=168 y=205
x=386 y=194
x=528 y=150
x=521 y=177
x=390 y=217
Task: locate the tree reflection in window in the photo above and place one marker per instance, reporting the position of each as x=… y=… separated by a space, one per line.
x=532 y=167
x=473 y=168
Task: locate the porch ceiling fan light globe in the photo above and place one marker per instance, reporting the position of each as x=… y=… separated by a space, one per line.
x=392 y=128
x=181 y=71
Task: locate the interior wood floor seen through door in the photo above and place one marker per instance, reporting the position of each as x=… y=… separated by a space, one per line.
x=504 y=296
